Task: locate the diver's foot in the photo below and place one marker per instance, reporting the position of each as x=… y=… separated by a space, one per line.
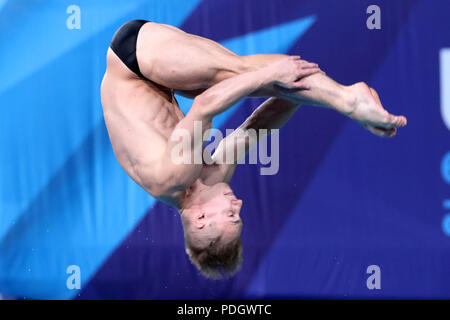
x=366 y=109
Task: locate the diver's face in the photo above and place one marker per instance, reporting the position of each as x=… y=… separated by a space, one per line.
x=220 y=212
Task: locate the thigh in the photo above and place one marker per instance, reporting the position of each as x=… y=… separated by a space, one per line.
x=182 y=61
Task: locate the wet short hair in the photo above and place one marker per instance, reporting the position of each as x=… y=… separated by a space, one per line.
x=213 y=258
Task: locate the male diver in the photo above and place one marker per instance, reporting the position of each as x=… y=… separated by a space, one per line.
x=147 y=62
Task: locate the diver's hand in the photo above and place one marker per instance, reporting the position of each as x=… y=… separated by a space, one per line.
x=290 y=71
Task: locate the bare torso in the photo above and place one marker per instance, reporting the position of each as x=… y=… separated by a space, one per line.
x=140 y=116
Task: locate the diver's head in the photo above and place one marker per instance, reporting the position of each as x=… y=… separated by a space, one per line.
x=212 y=229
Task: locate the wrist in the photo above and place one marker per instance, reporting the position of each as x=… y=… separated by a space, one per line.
x=266 y=77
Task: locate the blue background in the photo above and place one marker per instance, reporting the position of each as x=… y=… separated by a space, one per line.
x=343 y=199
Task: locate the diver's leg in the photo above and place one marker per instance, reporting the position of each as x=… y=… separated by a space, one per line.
x=183 y=61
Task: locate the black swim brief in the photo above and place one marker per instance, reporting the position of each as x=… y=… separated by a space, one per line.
x=124 y=44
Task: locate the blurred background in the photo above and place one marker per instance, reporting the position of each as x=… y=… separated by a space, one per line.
x=343 y=199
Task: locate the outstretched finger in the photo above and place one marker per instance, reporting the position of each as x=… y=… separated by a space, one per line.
x=308 y=72
x=306 y=64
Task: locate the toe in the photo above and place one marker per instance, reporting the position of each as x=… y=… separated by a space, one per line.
x=395 y=122
x=400 y=121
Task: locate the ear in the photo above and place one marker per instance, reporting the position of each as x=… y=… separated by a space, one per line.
x=200 y=219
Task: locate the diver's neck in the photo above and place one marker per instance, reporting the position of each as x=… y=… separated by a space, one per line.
x=190 y=196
